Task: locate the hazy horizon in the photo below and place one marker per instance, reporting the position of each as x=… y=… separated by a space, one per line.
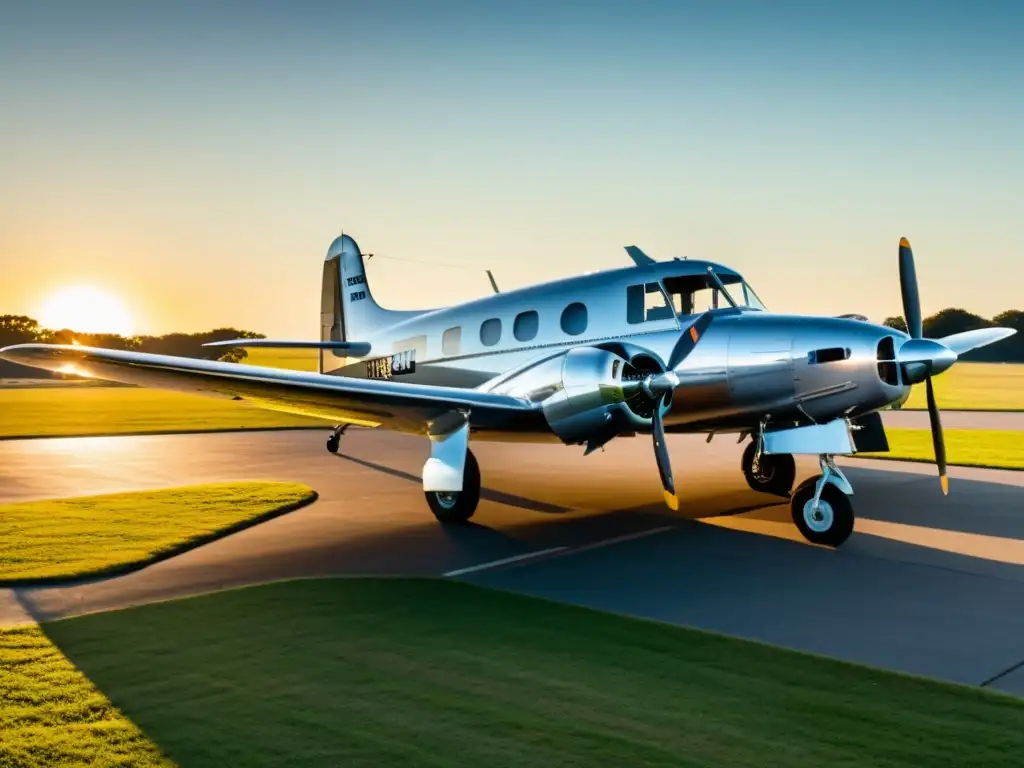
x=196 y=162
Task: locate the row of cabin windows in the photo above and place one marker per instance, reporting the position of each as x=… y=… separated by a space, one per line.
x=524 y=328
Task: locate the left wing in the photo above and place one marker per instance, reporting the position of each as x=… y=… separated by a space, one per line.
x=395 y=405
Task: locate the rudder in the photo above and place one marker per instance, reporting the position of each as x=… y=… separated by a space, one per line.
x=348 y=311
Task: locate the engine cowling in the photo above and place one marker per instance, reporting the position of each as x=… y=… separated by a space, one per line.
x=591 y=394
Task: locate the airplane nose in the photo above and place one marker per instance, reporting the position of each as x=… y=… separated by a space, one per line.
x=921 y=358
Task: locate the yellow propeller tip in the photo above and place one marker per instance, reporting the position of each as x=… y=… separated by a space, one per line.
x=672 y=500
x=904 y=243
x=944 y=482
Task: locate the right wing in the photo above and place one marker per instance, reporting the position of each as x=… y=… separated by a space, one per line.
x=395 y=405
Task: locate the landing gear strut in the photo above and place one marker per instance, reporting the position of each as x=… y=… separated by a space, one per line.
x=335 y=439
x=458 y=506
x=821 y=506
x=772 y=473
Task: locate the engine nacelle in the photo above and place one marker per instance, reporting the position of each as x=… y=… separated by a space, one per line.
x=590 y=394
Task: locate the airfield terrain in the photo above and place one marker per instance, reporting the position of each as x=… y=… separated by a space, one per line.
x=927 y=584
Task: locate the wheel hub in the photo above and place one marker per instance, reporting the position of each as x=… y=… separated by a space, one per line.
x=818 y=520
x=447 y=500
x=762 y=471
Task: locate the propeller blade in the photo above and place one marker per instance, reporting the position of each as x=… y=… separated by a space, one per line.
x=908 y=287
x=688 y=340
x=968 y=340
x=937 y=439
x=664 y=463
x=663 y=385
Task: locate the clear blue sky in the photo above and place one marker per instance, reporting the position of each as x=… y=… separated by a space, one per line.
x=196 y=159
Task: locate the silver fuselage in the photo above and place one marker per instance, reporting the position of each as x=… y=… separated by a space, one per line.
x=752 y=365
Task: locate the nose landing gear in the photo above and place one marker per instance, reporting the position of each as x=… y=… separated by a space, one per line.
x=821 y=506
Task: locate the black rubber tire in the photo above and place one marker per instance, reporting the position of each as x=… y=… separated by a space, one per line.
x=779 y=471
x=457 y=508
x=333 y=443
x=841 y=511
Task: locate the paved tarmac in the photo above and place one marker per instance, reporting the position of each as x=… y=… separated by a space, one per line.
x=928 y=584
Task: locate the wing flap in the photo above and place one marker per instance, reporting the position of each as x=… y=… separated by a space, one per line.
x=350 y=348
x=396 y=405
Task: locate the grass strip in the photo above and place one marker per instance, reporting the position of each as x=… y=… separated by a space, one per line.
x=1001 y=449
x=52 y=716
x=89 y=536
x=81 y=411
x=389 y=672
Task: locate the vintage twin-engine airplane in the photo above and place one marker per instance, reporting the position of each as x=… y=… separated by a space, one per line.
x=673 y=346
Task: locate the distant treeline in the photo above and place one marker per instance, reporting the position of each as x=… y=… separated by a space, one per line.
x=950 y=321
x=19 y=329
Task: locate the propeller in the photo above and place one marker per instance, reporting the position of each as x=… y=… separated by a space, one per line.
x=657 y=386
x=922 y=358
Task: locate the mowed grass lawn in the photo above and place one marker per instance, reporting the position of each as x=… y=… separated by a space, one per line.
x=70 y=411
x=52 y=716
x=968 y=447
x=975 y=386
x=45 y=541
x=389 y=672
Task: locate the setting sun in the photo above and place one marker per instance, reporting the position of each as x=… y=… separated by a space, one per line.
x=87 y=310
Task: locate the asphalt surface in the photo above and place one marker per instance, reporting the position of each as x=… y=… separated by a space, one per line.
x=927 y=584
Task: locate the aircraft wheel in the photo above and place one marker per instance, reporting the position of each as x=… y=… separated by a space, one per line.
x=334 y=441
x=775 y=472
x=458 y=506
x=832 y=524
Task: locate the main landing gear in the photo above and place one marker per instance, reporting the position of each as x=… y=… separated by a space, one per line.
x=768 y=473
x=458 y=506
x=821 y=506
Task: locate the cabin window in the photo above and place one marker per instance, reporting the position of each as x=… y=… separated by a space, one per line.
x=490 y=332
x=451 y=341
x=645 y=303
x=525 y=326
x=574 y=319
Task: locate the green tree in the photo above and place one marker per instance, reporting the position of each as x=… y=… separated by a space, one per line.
x=18 y=329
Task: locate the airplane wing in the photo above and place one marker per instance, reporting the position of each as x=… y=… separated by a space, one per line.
x=392 y=404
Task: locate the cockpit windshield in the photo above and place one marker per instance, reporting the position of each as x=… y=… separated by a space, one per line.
x=693 y=294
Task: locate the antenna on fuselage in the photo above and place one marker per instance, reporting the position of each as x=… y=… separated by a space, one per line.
x=640 y=258
x=494 y=285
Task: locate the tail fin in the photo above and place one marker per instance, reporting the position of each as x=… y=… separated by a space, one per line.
x=348 y=311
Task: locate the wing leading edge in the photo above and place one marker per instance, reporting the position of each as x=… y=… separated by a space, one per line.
x=395 y=405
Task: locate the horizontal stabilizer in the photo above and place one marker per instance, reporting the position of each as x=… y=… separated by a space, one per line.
x=351 y=348
x=968 y=340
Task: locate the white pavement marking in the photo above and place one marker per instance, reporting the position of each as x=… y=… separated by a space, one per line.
x=621 y=539
x=563 y=550
x=503 y=561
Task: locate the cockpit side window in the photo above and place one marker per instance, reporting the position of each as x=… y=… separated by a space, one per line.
x=645 y=303
x=693 y=294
